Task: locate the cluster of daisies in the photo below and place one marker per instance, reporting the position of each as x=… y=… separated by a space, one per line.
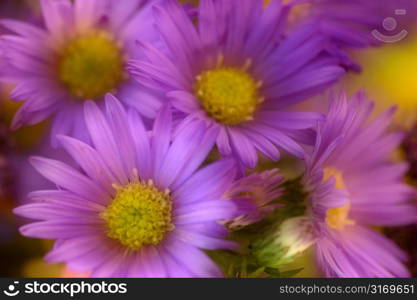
x=167 y=110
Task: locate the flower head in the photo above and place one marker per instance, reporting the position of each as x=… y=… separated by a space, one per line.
x=79 y=54
x=138 y=206
x=238 y=70
x=352 y=185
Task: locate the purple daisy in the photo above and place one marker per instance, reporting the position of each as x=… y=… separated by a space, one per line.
x=79 y=54
x=237 y=69
x=138 y=206
x=354 y=185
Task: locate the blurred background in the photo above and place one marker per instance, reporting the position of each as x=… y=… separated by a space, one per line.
x=389 y=76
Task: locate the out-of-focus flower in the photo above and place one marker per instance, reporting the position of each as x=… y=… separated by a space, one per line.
x=352 y=184
x=235 y=70
x=139 y=207
x=26 y=179
x=356 y=24
x=359 y=23
x=259 y=190
x=78 y=54
x=18 y=176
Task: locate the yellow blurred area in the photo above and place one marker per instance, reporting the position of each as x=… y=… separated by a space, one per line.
x=389 y=77
x=37 y=267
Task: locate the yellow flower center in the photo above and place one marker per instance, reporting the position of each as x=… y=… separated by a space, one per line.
x=329 y=172
x=91 y=65
x=139 y=215
x=228 y=95
x=337 y=218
